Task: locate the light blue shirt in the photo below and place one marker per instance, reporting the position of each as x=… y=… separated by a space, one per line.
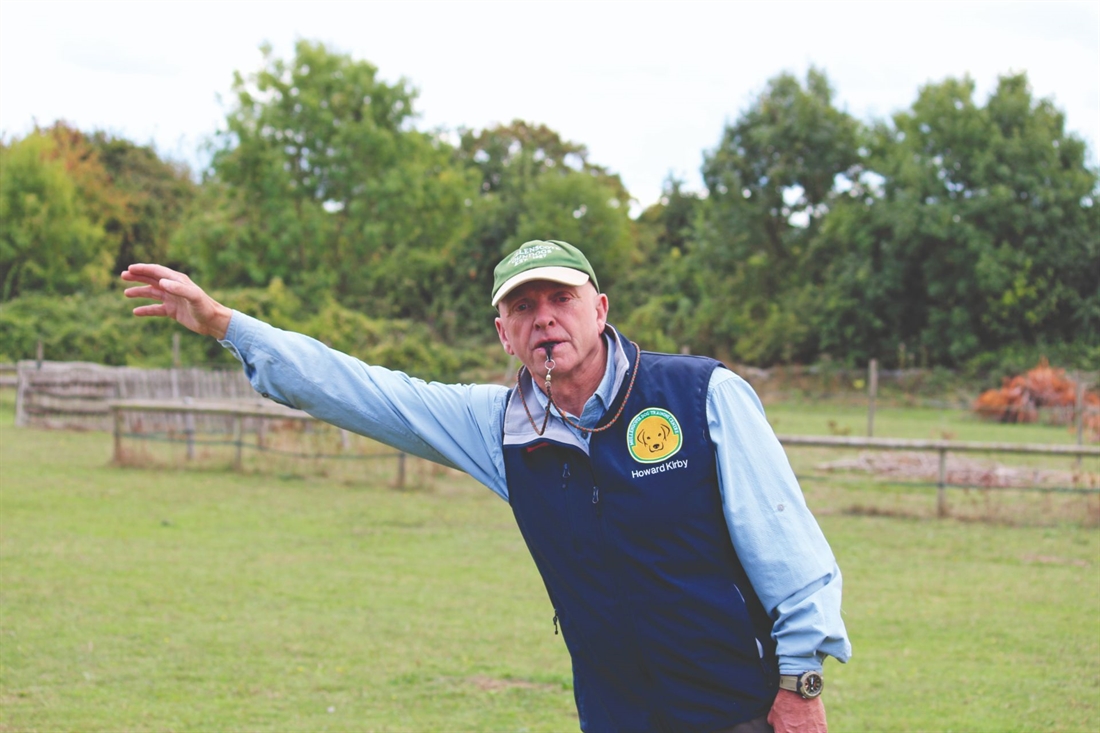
x=777 y=539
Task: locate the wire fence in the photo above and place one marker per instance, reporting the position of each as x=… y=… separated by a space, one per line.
x=260 y=437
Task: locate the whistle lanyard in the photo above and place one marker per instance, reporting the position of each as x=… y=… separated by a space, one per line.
x=549 y=364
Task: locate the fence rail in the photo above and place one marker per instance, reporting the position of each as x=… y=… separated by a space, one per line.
x=957 y=446
x=942 y=447
x=239 y=413
x=9 y=375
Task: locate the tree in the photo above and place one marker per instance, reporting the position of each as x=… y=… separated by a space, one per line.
x=777 y=165
x=578 y=208
x=656 y=297
x=320 y=179
x=535 y=185
x=770 y=183
x=155 y=195
x=77 y=208
x=55 y=197
x=981 y=233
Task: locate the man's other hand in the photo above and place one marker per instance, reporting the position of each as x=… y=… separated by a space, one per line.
x=792 y=714
x=180 y=299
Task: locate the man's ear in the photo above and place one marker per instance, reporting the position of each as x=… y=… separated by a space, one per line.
x=602 y=306
x=503 y=336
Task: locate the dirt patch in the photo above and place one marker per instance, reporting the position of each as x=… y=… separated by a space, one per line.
x=1052 y=560
x=862 y=510
x=961 y=471
x=493 y=684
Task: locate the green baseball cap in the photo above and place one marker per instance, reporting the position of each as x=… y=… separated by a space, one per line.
x=551 y=260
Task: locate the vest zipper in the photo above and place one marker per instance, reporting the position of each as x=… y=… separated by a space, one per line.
x=596 y=499
x=565 y=476
x=555 y=622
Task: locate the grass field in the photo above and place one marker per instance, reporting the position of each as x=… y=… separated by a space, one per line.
x=151 y=600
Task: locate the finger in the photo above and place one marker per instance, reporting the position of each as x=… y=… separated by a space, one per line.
x=148 y=272
x=131 y=277
x=145 y=291
x=151 y=310
x=186 y=290
x=144 y=278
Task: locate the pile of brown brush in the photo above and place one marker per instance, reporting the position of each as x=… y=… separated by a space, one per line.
x=1021 y=398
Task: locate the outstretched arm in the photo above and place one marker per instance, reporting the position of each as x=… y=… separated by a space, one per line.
x=180 y=299
x=456 y=425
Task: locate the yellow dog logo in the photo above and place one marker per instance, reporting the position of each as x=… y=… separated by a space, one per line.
x=653 y=435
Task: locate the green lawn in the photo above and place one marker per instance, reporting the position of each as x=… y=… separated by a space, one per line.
x=822 y=418
x=152 y=600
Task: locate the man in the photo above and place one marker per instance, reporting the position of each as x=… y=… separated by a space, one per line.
x=693 y=587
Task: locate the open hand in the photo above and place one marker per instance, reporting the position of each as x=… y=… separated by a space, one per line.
x=180 y=299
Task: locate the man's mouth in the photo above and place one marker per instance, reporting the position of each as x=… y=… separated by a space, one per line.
x=547 y=346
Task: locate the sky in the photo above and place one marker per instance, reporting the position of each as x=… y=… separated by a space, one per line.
x=647 y=86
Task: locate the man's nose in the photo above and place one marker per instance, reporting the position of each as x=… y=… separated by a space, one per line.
x=544 y=314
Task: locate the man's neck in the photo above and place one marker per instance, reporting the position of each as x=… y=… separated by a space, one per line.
x=573 y=392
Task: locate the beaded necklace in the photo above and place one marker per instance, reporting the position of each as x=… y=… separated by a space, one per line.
x=561 y=413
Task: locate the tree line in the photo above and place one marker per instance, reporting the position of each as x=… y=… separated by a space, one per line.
x=956 y=233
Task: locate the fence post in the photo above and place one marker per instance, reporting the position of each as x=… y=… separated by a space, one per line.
x=238 y=438
x=39 y=354
x=872 y=393
x=118 y=435
x=1079 y=411
x=189 y=430
x=401 y=470
x=941 y=487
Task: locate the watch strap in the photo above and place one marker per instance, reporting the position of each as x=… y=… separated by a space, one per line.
x=808 y=684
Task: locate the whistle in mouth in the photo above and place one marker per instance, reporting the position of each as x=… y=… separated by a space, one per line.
x=549 y=359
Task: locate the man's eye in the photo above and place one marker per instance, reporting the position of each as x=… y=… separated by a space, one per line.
x=520 y=307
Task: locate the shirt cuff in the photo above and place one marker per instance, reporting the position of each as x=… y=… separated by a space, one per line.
x=798 y=665
x=233 y=336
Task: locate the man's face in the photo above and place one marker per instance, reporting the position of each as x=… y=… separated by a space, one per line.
x=541 y=313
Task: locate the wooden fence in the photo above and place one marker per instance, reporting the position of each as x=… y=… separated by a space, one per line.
x=75 y=395
x=244 y=417
x=943 y=447
x=237 y=413
x=9 y=378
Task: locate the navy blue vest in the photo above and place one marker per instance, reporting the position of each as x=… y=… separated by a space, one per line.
x=661 y=622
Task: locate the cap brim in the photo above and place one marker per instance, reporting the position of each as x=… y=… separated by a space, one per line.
x=563 y=275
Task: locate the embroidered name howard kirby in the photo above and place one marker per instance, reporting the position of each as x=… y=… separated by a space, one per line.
x=666 y=466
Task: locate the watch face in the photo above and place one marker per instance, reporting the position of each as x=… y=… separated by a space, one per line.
x=810 y=684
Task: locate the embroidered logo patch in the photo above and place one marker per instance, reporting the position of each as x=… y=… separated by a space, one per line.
x=653 y=435
x=536 y=252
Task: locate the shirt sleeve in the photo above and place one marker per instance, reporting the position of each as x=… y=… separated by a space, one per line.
x=453 y=424
x=779 y=543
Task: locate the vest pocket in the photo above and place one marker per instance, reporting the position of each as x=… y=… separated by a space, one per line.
x=705 y=634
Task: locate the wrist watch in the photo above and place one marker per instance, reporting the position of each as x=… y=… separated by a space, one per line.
x=808 y=684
